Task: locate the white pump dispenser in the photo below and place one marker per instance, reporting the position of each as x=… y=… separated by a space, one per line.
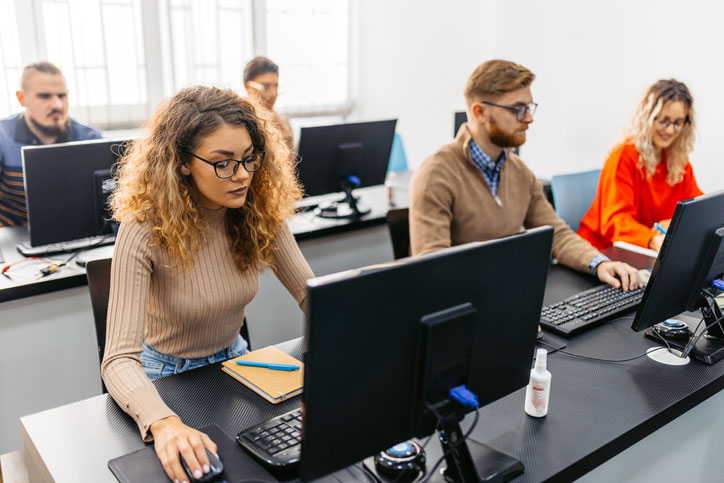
x=539 y=387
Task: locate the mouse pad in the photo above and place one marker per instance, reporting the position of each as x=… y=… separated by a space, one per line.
x=143 y=466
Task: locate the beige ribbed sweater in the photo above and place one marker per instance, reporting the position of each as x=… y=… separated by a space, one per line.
x=186 y=314
x=451 y=203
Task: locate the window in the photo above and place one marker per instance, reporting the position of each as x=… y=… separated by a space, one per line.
x=99 y=47
x=309 y=40
x=10 y=63
x=121 y=57
x=210 y=42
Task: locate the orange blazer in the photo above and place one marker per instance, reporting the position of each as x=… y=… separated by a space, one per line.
x=627 y=204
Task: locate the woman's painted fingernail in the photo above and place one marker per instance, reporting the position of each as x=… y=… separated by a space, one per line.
x=198 y=474
x=206 y=468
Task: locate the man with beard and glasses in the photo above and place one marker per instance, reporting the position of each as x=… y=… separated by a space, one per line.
x=476 y=188
x=45 y=121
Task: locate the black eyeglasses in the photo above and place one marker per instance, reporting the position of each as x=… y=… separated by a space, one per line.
x=666 y=122
x=226 y=168
x=520 y=111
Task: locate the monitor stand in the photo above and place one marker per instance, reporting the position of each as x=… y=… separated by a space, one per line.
x=468 y=460
x=710 y=346
x=349 y=207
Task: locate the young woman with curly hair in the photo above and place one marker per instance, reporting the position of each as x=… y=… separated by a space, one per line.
x=646 y=175
x=202 y=200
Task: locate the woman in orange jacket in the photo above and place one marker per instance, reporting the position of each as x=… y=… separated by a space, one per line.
x=646 y=175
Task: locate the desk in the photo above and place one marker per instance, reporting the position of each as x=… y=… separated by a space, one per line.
x=53 y=315
x=597 y=411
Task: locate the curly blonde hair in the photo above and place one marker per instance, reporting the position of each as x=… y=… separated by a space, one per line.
x=151 y=188
x=641 y=128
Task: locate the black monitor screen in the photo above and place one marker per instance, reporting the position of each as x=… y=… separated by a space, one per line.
x=63 y=183
x=363 y=335
x=330 y=154
x=675 y=279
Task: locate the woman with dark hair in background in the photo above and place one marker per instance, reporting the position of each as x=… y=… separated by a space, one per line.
x=202 y=200
x=261 y=80
x=646 y=175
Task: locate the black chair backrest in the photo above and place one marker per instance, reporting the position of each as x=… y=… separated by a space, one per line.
x=99 y=283
x=397 y=222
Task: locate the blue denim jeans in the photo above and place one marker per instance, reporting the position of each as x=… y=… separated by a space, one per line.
x=157 y=364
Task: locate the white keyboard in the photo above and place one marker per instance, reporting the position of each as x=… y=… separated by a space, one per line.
x=65 y=247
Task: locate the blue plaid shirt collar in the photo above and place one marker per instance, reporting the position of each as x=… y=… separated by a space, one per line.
x=490 y=169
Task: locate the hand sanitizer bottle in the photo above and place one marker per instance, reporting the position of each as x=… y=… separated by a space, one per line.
x=539 y=387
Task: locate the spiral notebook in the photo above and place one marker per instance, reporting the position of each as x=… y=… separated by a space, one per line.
x=274 y=386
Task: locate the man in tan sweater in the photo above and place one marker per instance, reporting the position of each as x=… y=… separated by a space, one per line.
x=476 y=189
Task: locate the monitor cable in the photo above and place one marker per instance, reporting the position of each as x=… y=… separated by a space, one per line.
x=614 y=361
x=455 y=445
x=692 y=342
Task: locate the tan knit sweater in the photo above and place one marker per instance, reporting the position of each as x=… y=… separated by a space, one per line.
x=186 y=314
x=451 y=203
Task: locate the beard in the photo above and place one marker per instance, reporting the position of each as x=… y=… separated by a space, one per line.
x=53 y=130
x=502 y=138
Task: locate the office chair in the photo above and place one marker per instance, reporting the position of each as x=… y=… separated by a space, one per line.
x=398 y=224
x=573 y=194
x=398 y=158
x=99 y=285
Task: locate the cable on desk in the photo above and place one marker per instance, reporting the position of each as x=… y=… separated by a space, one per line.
x=6 y=268
x=52 y=265
x=615 y=361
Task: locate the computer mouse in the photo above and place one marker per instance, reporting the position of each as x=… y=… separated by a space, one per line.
x=215 y=465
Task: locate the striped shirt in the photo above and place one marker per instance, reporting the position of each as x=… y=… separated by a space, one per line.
x=14 y=134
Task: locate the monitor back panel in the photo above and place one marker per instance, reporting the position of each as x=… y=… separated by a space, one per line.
x=460 y=118
x=363 y=340
x=677 y=267
x=60 y=188
x=319 y=155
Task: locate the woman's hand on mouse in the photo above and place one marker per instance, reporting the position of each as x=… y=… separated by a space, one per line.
x=171 y=438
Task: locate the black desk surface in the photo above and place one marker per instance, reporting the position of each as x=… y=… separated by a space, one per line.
x=596 y=409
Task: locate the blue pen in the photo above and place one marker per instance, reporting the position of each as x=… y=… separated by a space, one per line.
x=660 y=228
x=269 y=365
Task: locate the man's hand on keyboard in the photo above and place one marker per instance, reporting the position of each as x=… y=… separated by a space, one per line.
x=619 y=274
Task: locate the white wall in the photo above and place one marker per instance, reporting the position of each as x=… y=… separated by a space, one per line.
x=593 y=61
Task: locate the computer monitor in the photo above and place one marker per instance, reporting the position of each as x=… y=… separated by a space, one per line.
x=460 y=118
x=385 y=341
x=341 y=157
x=681 y=280
x=67 y=186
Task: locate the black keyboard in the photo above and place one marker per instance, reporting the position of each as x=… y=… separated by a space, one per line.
x=586 y=309
x=275 y=443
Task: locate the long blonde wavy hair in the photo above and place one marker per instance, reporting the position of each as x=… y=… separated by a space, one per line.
x=641 y=127
x=152 y=189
